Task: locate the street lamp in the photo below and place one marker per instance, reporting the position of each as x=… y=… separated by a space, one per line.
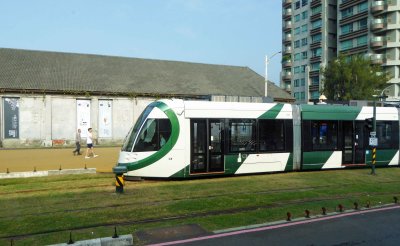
x=266 y=71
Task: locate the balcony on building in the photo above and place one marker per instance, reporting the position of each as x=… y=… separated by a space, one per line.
x=288 y=25
x=287 y=3
x=287 y=87
x=377 y=7
x=287 y=75
x=376 y=58
x=314 y=73
x=377 y=42
x=287 y=63
x=377 y=24
x=315 y=3
x=348 y=3
x=316 y=16
x=287 y=13
x=288 y=50
x=315 y=58
x=314 y=87
x=288 y=37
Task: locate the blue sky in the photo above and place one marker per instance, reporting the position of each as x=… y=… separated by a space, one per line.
x=227 y=32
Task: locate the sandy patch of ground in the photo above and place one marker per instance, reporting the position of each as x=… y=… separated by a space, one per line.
x=20 y=160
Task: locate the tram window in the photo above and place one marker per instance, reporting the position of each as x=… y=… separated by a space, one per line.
x=242 y=135
x=387 y=135
x=164 y=131
x=130 y=138
x=199 y=139
x=153 y=135
x=272 y=137
x=324 y=135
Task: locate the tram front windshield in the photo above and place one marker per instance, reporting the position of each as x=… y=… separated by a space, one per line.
x=148 y=134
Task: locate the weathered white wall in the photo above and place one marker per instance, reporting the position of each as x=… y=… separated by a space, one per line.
x=32 y=118
x=122 y=117
x=63 y=118
x=125 y=113
x=46 y=121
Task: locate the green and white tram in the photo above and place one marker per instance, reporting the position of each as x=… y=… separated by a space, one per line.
x=185 y=139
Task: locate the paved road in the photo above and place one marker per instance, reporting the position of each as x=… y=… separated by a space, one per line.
x=381 y=227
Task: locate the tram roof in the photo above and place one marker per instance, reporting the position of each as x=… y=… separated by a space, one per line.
x=207 y=109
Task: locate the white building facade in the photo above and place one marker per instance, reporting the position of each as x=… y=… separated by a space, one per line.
x=316 y=31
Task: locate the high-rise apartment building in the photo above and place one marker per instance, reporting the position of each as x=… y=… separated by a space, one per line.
x=316 y=31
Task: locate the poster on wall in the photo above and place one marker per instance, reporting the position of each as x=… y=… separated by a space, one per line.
x=11 y=117
x=105 y=118
x=83 y=116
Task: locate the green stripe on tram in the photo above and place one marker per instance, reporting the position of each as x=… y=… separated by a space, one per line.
x=289 y=163
x=272 y=113
x=383 y=157
x=329 y=112
x=315 y=160
x=183 y=173
x=232 y=164
x=167 y=146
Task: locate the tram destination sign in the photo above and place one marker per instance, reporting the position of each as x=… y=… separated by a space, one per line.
x=373 y=141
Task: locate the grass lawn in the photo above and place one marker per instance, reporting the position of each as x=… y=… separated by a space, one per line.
x=40 y=211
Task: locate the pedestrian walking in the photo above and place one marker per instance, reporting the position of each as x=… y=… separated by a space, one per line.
x=77 y=150
x=89 y=143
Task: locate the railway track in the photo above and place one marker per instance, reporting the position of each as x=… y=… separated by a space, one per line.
x=156 y=202
x=185 y=216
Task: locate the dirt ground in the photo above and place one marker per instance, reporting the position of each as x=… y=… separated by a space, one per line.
x=20 y=160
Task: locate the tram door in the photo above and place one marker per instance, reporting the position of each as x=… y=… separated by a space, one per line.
x=353 y=143
x=348 y=143
x=360 y=144
x=215 y=146
x=206 y=146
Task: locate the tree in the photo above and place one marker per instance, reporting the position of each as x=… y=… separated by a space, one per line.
x=352 y=78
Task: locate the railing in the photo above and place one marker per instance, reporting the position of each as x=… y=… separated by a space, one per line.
x=377 y=5
x=377 y=41
x=377 y=58
x=287 y=12
x=287 y=1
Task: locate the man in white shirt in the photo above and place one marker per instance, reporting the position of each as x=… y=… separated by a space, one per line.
x=89 y=143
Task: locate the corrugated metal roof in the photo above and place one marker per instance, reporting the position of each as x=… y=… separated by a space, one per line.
x=56 y=71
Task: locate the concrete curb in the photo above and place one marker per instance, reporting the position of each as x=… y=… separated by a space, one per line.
x=123 y=240
x=32 y=174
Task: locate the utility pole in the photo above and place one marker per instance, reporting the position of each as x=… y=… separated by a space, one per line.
x=373 y=140
x=373 y=136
